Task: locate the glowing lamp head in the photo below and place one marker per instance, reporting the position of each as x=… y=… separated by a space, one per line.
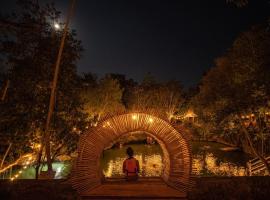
x=56 y=26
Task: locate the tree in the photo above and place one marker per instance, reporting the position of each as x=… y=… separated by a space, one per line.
x=127 y=85
x=238 y=86
x=239 y=3
x=29 y=44
x=102 y=98
x=165 y=98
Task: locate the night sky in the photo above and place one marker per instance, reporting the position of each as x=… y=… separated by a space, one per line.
x=170 y=39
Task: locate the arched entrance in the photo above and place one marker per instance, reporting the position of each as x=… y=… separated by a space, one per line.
x=86 y=173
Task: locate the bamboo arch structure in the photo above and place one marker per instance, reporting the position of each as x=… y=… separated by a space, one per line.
x=86 y=172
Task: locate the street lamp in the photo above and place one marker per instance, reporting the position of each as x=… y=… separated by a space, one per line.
x=56 y=26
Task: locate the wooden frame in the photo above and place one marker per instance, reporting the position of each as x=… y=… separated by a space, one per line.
x=86 y=172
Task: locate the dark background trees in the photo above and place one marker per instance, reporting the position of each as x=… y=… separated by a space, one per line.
x=29 y=45
x=234 y=95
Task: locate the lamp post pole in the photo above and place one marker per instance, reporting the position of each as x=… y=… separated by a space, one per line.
x=46 y=139
x=5 y=90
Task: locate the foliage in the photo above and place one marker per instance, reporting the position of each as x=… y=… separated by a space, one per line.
x=235 y=94
x=238 y=3
x=29 y=45
x=162 y=97
x=102 y=97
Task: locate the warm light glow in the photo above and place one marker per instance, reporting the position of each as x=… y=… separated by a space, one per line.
x=74 y=129
x=190 y=114
x=106 y=124
x=18 y=161
x=134 y=117
x=24 y=167
x=27 y=162
x=12 y=179
x=56 y=26
x=20 y=171
x=16 y=175
x=151 y=165
x=151 y=120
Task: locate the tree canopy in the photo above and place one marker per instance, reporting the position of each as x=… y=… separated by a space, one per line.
x=29 y=45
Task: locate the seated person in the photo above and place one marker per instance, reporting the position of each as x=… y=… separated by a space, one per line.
x=131 y=166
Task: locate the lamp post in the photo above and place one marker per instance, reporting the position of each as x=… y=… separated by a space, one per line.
x=5 y=90
x=46 y=139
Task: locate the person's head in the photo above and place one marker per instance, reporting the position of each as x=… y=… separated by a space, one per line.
x=130 y=152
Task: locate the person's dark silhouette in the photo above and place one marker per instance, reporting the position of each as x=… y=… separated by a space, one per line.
x=131 y=166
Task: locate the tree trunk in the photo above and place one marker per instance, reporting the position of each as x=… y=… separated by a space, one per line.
x=38 y=161
x=5 y=91
x=57 y=151
x=6 y=153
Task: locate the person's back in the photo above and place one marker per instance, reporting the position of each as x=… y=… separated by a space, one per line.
x=131 y=166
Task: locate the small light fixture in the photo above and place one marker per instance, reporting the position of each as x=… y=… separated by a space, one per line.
x=134 y=117
x=56 y=26
x=151 y=120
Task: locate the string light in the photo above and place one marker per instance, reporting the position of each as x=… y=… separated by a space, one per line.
x=134 y=117
x=107 y=124
x=24 y=167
